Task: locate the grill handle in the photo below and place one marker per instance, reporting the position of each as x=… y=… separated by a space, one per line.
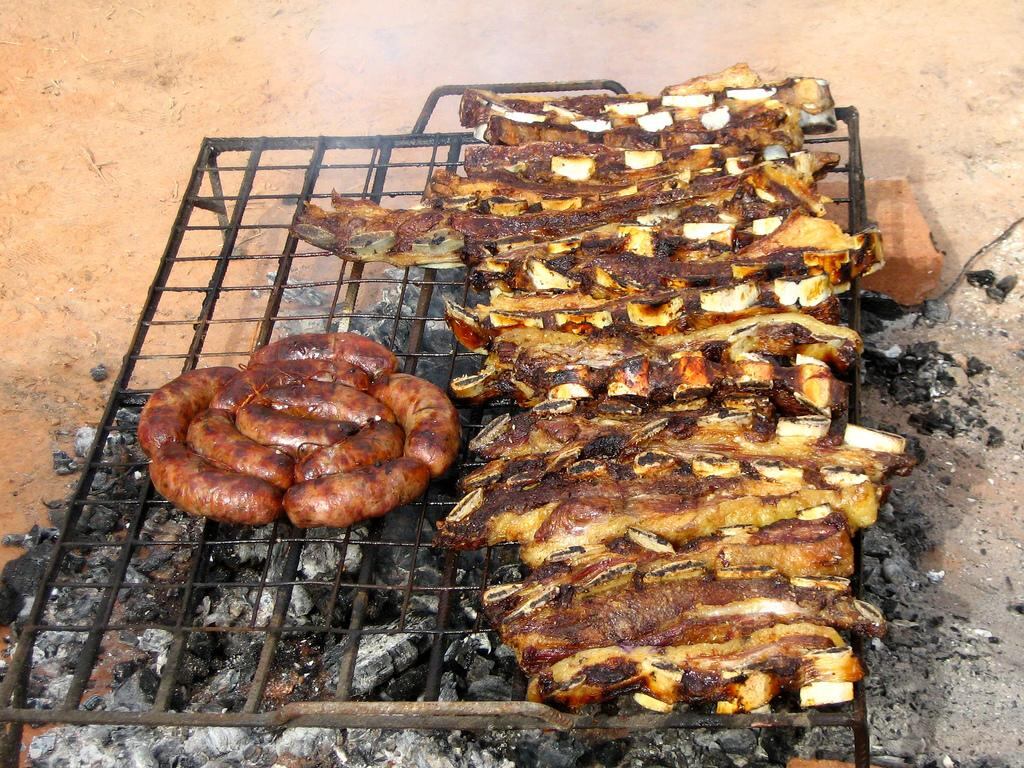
x=462 y=715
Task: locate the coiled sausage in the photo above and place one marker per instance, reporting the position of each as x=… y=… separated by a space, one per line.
x=169 y=410
x=252 y=381
x=358 y=350
x=192 y=483
x=213 y=436
x=327 y=401
x=340 y=500
x=290 y=433
x=431 y=423
x=373 y=444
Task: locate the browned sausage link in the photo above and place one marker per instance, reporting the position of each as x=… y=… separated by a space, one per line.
x=431 y=423
x=373 y=444
x=341 y=500
x=269 y=427
x=350 y=347
x=323 y=400
x=193 y=484
x=213 y=436
x=170 y=409
x=250 y=382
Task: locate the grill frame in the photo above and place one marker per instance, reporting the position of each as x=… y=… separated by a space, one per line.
x=230 y=210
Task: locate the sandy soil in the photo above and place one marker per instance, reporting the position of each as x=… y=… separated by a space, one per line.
x=103 y=105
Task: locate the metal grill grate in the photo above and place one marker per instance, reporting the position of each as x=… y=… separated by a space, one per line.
x=233 y=278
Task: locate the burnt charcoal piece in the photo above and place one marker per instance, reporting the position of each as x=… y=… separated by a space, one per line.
x=489 y=688
x=981 y=278
x=976 y=366
x=1001 y=290
x=936 y=420
x=882 y=306
x=99 y=373
x=10 y=604
x=64 y=464
x=24 y=574
x=936 y=311
x=408 y=685
x=995 y=438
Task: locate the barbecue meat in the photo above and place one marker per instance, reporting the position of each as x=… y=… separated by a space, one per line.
x=734 y=107
x=741 y=675
x=584 y=505
x=523 y=449
x=435 y=236
x=662 y=602
x=604 y=262
x=556 y=164
x=790 y=356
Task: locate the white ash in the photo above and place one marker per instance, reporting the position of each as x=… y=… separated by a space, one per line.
x=84 y=437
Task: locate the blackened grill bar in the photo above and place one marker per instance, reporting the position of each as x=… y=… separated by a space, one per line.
x=210 y=189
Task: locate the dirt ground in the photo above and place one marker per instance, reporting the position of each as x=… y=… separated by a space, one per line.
x=103 y=105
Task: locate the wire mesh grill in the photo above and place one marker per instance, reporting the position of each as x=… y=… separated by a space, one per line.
x=233 y=278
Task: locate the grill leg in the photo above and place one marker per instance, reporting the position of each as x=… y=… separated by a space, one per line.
x=10 y=744
x=861 y=745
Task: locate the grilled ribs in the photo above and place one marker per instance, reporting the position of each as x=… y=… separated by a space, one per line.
x=685 y=486
x=448 y=231
x=740 y=675
x=734 y=106
x=790 y=356
x=662 y=602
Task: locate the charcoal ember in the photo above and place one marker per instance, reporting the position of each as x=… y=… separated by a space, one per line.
x=306 y=743
x=1002 y=288
x=100 y=519
x=215 y=742
x=407 y=686
x=915 y=449
x=304 y=295
x=976 y=366
x=489 y=688
x=322 y=559
x=881 y=305
x=378 y=323
x=136 y=693
x=555 y=750
x=734 y=741
x=882 y=364
x=505 y=658
x=64 y=464
x=127 y=418
x=301 y=604
x=465 y=649
x=23 y=574
x=479 y=668
x=870 y=324
x=10 y=604
x=995 y=438
x=35 y=535
x=42 y=745
x=381 y=656
x=611 y=752
x=449 y=690
x=935 y=311
x=148 y=607
x=99 y=372
x=981 y=278
x=943 y=420
x=191 y=669
x=84 y=437
x=221 y=690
